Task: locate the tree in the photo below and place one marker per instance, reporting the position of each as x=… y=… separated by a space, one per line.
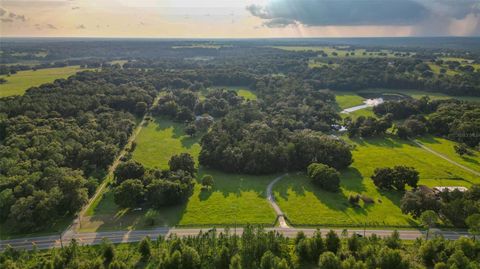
x=332 y=242
x=236 y=262
x=108 y=252
x=461 y=149
x=329 y=260
x=128 y=170
x=392 y=259
x=141 y=108
x=324 y=176
x=473 y=223
x=145 y=248
x=190 y=258
x=183 y=161
x=428 y=219
x=396 y=177
x=207 y=181
x=417 y=201
x=191 y=130
x=129 y=193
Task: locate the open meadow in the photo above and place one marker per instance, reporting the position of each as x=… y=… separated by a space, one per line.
x=18 y=83
x=234 y=199
x=322 y=208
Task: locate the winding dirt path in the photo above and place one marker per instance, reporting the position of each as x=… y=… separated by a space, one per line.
x=276 y=208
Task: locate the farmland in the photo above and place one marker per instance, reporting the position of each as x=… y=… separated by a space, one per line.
x=18 y=83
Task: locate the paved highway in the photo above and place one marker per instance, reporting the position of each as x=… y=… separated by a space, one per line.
x=47 y=242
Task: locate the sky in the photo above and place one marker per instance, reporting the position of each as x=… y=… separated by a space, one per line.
x=238 y=19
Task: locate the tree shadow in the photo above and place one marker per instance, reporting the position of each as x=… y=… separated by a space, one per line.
x=352 y=180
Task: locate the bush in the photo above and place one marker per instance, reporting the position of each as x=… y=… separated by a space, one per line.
x=207 y=181
x=324 y=176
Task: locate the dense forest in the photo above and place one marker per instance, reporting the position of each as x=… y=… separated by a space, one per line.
x=58 y=140
x=257 y=248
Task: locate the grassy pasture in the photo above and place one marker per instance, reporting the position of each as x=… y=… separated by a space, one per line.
x=322 y=208
x=445 y=147
x=233 y=199
x=160 y=139
x=18 y=83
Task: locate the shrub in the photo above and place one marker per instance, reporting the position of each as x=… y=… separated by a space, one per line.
x=324 y=176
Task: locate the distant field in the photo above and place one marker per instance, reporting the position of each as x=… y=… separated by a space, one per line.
x=160 y=140
x=331 y=51
x=18 y=83
x=323 y=208
x=242 y=91
x=348 y=99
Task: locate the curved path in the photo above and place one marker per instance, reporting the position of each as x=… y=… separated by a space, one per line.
x=271 y=200
x=445 y=158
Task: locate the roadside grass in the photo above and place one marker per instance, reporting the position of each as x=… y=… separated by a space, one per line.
x=18 y=83
x=306 y=204
x=8 y=232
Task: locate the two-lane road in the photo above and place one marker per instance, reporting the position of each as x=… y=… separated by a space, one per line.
x=47 y=242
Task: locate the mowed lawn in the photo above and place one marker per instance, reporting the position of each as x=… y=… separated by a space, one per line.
x=306 y=204
x=234 y=199
x=18 y=83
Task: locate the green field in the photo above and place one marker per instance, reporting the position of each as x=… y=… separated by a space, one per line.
x=445 y=147
x=322 y=208
x=242 y=91
x=233 y=199
x=348 y=99
x=160 y=139
x=18 y=83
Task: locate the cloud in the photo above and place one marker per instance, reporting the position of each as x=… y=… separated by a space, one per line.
x=11 y=16
x=81 y=26
x=75 y=8
x=6 y=20
x=280 y=13
x=51 y=26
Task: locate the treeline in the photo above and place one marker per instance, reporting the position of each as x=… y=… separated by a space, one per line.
x=452 y=207
x=457 y=120
x=281 y=132
x=57 y=141
x=257 y=248
x=414 y=74
x=136 y=186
